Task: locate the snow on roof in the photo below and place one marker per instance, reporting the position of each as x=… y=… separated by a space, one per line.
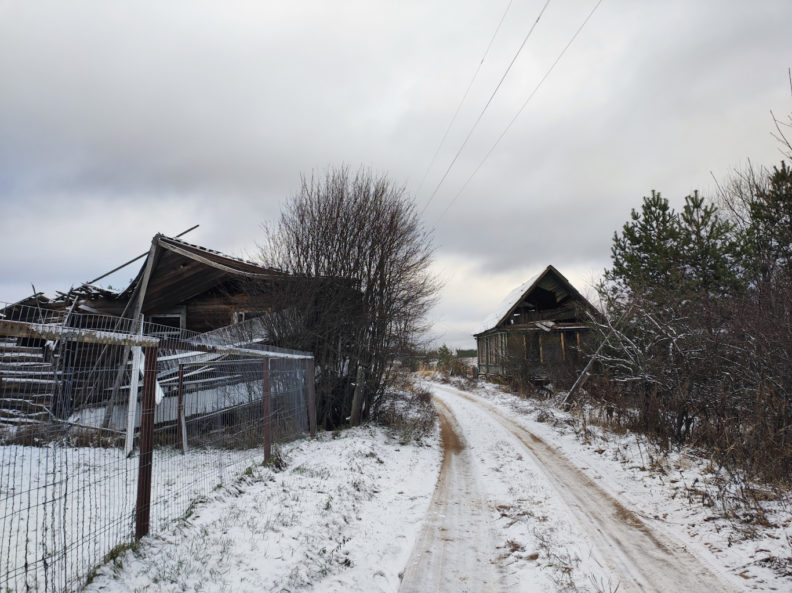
x=506 y=304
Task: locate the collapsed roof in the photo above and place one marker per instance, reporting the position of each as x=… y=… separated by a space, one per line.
x=180 y=271
x=174 y=272
x=548 y=292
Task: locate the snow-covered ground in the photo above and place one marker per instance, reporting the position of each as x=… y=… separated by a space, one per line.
x=348 y=510
x=65 y=508
x=341 y=516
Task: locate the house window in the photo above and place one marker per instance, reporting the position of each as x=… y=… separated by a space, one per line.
x=240 y=316
x=168 y=324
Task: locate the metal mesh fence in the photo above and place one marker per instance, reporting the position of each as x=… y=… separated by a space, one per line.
x=86 y=463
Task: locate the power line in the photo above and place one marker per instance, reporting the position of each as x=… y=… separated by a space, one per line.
x=489 y=101
x=519 y=111
x=461 y=102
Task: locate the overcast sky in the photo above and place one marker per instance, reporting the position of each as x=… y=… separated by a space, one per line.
x=120 y=120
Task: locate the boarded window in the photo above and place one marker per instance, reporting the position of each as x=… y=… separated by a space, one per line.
x=532 y=347
x=551 y=348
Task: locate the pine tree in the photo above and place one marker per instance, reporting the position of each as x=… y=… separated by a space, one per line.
x=646 y=255
x=708 y=250
x=664 y=254
x=770 y=228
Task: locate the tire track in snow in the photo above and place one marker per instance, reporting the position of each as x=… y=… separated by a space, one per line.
x=454 y=550
x=639 y=558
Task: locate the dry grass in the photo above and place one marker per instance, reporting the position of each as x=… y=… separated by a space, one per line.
x=409 y=412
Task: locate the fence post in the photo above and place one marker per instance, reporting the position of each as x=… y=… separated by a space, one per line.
x=357 y=398
x=266 y=399
x=309 y=380
x=143 y=507
x=133 y=395
x=181 y=423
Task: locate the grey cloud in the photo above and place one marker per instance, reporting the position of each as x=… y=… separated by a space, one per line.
x=157 y=116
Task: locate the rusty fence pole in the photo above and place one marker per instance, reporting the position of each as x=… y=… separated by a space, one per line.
x=143 y=507
x=181 y=424
x=309 y=380
x=266 y=399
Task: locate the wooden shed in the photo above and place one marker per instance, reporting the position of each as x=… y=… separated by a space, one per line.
x=539 y=330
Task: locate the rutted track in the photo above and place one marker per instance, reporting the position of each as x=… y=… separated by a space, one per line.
x=637 y=557
x=453 y=552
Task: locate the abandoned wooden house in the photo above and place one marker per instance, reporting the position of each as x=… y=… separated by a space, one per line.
x=183 y=292
x=539 y=330
x=187 y=287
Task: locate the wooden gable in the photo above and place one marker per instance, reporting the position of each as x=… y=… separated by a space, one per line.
x=548 y=298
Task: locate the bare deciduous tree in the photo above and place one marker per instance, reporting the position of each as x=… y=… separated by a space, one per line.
x=783 y=127
x=361 y=285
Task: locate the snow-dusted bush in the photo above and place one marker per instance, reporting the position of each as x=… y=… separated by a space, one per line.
x=409 y=411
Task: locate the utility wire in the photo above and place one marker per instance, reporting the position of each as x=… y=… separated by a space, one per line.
x=519 y=111
x=462 y=101
x=483 y=111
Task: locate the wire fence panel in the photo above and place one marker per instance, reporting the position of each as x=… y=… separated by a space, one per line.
x=74 y=447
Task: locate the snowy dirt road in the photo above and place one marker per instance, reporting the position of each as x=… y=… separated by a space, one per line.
x=454 y=549
x=511 y=513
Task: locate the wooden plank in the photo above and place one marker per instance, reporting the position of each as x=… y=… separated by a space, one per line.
x=134 y=381
x=44 y=331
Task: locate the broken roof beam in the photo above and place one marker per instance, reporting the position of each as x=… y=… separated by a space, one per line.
x=133 y=260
